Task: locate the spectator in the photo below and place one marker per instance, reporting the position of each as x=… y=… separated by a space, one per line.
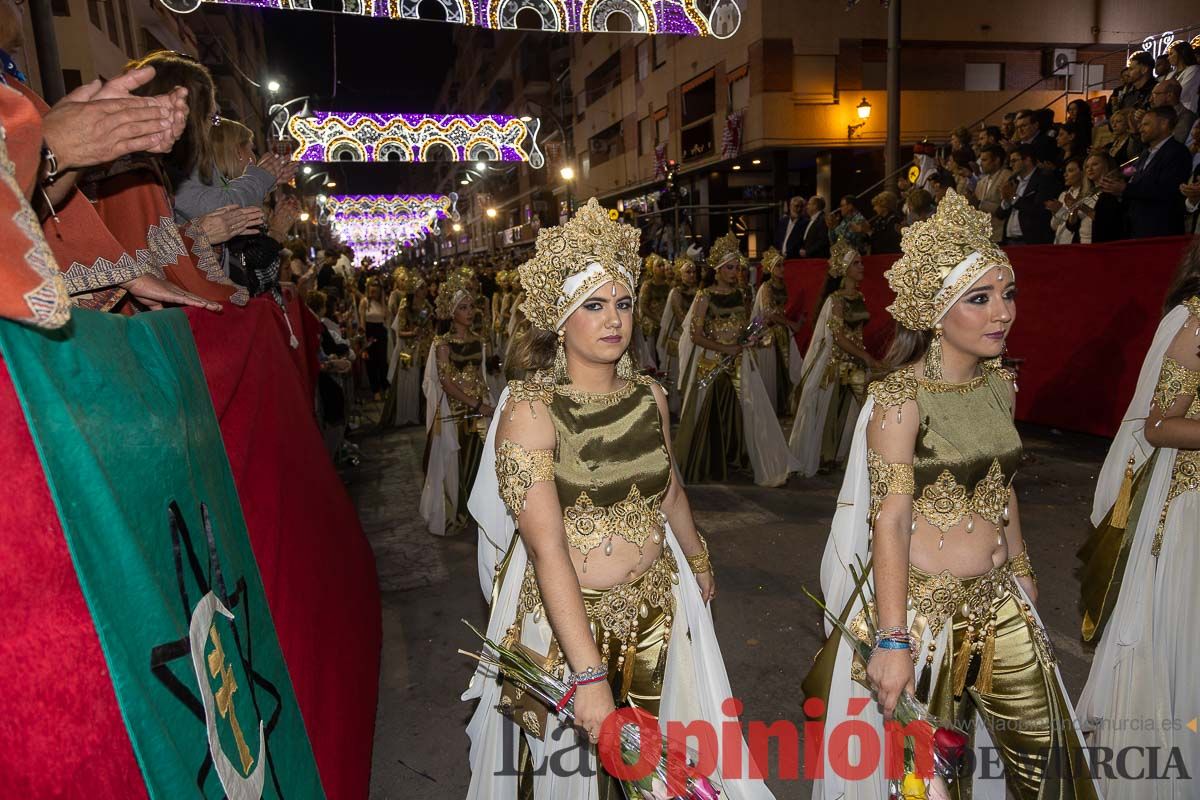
x=1114 y=99
x=885 y=225
x=962 y=169
x=987 y=188
x=816 y=235
x=960 y=141
x=1008 y=127
x=852 y=225
x=1070 y=226
x=1030 y=132
x=938 y=183
x=1166 y=95
x=1191 y=190
x=1141 y=76
x=920 y=206
x=1027 y=220
x=1153 y=203
x=1125 y=145
x=1187 y=72
x=789 y=238
x=1073 y=141
x=992 y=135
x=1162 y=66
x=1108 y=215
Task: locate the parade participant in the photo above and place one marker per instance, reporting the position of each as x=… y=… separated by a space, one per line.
x=402 y=404
x=607 y=579
x=727 y=417
x=652 y=301
x=1138 y=579
x=929 y=508
x=834 y=383
x=501 y=309
x=373 y=314
x=458 y=406
x=778 y=357
x=687 y=281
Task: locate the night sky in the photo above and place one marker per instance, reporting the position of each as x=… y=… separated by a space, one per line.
x=381 y=66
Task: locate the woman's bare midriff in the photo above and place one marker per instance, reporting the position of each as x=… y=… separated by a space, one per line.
x=964 y=555
x=625 y=564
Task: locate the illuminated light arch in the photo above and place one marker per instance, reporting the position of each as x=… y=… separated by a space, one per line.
x=342 y=144
x=510 y=138
x=675 y=17
x=439 y=141
x=388 y=146
x=481 y=148
x=596 y=13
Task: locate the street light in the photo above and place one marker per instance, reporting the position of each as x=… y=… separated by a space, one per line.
x=306 y=169
x=331 y=185
x=526 y=118
x=864 y=113
x=273 y=86
x=568 y=175
x=481 y=166
x=457 y=227
x=491 y=212
x=304 y=215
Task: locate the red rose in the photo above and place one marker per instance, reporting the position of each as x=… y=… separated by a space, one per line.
x=950 y=744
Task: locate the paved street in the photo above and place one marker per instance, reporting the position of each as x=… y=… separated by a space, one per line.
x=766 y=545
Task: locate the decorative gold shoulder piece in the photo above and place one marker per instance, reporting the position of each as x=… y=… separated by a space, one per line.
x=1193 y=306
x=563 y=251
x=537 y=388
x=994 y=366
x=723 y=249
x=895 y=389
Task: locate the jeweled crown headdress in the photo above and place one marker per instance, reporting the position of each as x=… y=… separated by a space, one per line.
x=841 y=256
x=572 y=260
x=771 y=259
x=680 y=263
x=458 y=284
x=724 y=249
x=652 y=264
x=943 y=256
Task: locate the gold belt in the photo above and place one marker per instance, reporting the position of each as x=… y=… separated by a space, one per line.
x=1185 y=477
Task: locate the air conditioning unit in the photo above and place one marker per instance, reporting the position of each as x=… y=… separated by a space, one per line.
x=1061 y=61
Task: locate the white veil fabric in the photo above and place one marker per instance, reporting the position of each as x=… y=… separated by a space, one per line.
x=1142 y=659
x=695 y=683
x=805 y=439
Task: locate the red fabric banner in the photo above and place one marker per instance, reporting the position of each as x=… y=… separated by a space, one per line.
x=64 y=732
x=1085 y=316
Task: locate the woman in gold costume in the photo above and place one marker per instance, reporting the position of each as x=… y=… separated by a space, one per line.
x=687 y=281
x=587 y=548
x=402 y=403
x=652 y=301
x=458 y=406
x=1140 y=564
x=834 y=384
x=777 y=356
x=928 y=505
x=727 y=418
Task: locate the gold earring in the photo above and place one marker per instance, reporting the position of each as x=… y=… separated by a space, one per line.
x=625 y=367
x=933 y=356
x=560 y=361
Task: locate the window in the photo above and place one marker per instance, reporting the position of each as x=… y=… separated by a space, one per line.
x=984 y=77
x=662 y=126
x=645 y=135
x=94 y=12
x=603 y=78
x=699 y=99
x=72 y=79
x=739 y=89
x=130 y=49
x=643 y=58
x=606 y=144
x=110 y=16
x=659 y=45
x=697 y=141
x=61 y=8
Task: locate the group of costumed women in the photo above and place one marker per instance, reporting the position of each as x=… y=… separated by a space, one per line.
x=591 y=561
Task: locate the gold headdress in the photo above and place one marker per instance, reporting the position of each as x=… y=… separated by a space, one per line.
x=943 y=256
x=841 y=256
x=572 y=259
x=724 y=249
x=401 y=280
x=771 y=259
x=458 y=285
x=680 y=263
x=652 y=264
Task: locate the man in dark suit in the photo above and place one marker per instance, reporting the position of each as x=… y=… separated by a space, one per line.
x=789 y=237
x=1153 y=203
x=1029 y=131
x=816 y=235
x=1024 y=197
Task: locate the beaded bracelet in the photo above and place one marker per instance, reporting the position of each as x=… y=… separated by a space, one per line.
x=700 y=563
x=589 y=675
x=893 y=644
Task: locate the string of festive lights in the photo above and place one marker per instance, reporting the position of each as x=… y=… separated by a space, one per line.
x=351 y=136
x=676 y=17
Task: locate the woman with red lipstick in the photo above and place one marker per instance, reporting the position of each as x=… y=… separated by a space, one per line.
x=927 y=538
x=727 y=416
x=587 y=549
x=1139 y=573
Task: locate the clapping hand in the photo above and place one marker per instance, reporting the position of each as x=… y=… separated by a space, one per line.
x=230 y=222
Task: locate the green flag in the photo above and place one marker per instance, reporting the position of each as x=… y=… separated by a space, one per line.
x=125 y=429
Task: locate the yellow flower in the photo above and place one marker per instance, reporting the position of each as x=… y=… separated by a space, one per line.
x=913 y=787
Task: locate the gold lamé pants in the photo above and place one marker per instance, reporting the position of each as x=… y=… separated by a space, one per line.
x=637 y=654
x=1028 y=717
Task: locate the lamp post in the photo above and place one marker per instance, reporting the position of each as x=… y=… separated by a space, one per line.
x=491 y=215
x=864 y=114
x=568 y=175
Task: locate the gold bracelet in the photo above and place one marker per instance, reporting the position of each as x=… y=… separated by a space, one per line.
x=1021 y=566
x=700 y=563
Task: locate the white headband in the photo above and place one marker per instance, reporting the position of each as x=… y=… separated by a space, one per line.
x=573 y=289
x=956 y=275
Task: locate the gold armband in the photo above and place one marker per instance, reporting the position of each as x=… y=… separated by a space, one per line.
x=1021 y=566
x=887 y=479
x=700 y=563
x=518 y=469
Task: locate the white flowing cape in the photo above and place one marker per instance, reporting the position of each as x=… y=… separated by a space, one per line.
x=439 y=496
x=809 y=425
x=1142 y=661
x=850 y=544
x=765 y=356
x=765 y=443
x=695 y=683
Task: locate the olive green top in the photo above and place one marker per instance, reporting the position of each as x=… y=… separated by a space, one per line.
x=465 y=368
x=607 y=445
x=652 y=302
x=967 y=449
x=727 y=315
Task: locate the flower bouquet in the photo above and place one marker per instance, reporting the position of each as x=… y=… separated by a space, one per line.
x=620 y=744
x=947 y=743
x=750 y=337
